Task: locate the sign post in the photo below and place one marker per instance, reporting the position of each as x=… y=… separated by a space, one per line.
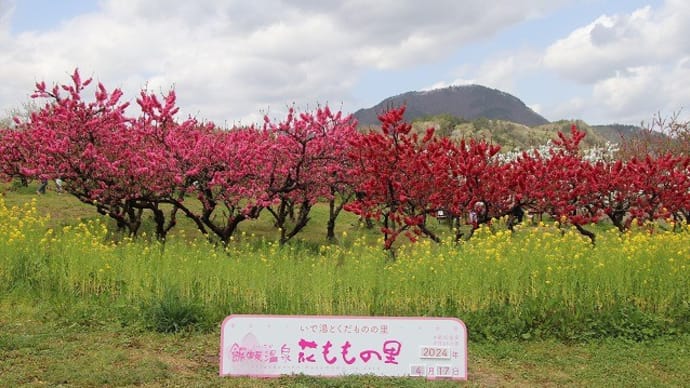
x=275 y=345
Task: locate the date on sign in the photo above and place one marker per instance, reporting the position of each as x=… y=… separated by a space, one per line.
x=435 y=352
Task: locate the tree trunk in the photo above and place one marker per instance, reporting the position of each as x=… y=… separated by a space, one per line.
x=616 y=218
x=300 y=222
x=330 y=226
x=586 y=232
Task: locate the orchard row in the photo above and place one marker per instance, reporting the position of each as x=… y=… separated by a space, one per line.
x=126 y=165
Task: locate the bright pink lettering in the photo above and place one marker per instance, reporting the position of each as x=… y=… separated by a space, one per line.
x=392 y=349
x=345 y=348
x=366 y=355
x=303 y=357
x=326 y=350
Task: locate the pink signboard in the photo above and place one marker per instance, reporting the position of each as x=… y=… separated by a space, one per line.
x=275 y=345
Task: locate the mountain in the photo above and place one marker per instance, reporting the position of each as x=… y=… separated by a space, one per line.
x=467 y=101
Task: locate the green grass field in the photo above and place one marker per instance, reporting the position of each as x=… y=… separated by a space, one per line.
x=543 y=307
x=39 y=349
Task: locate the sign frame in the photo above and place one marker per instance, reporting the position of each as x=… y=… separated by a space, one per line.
x=267 y=346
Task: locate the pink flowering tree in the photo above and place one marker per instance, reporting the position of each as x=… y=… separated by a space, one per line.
x=86 y=144
x=308 y=164
x=226 y=171
x=154 y=164
x=120 y=165
x=340 y=130
x=13 y=154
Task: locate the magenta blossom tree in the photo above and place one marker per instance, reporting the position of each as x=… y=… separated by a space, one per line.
x=308 y=164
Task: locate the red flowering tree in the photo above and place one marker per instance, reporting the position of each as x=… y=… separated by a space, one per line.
x=571 y=185
x=399 y=176
x=617 y=191
x=663 y=185
x=676 y=197
x=645 y=189
x=471 y=180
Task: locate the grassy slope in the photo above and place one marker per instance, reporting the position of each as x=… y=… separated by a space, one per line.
x=38 y=347
x=64 y=209
x=40 y=350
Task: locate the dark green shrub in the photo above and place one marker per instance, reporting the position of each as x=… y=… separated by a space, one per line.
x=171 y=314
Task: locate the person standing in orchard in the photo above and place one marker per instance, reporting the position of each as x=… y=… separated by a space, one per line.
x=42 y=188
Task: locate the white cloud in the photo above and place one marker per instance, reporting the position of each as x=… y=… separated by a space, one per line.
x=613 y=43
x=640 y=92
x=504 y=72
x=636 y=63
x=396 y=34
x=6 y=11
x=444 y=84
x=229 y=60
x=536 y=107
x=500 y=72
x=632 y=96
x=572 y=108
x=629 y=88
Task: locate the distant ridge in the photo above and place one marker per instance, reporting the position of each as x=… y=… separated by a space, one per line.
x=616 y=132
x=468 y=102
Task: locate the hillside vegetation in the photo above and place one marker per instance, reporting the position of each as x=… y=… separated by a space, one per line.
x=510 y=135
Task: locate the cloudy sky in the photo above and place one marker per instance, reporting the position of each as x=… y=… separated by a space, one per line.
x=232 y=61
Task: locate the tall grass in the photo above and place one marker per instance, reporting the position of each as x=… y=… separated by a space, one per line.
x=537 y=282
